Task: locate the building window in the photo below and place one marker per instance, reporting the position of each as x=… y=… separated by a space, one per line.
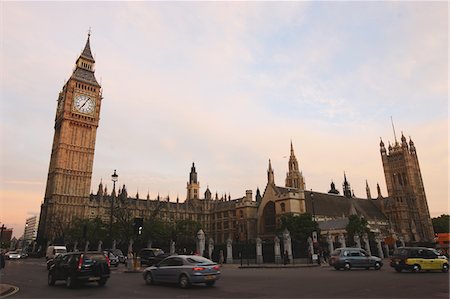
x=283 y=207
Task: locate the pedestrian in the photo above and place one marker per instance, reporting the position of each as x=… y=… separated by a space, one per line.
x=2 y=260
x=286 y=257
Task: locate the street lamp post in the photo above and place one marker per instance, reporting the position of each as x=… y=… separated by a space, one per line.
x=312 y=203
x=114 y=178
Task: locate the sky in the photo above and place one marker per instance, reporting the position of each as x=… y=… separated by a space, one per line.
x=227 y=85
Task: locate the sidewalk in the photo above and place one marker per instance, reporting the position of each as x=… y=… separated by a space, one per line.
x=7 y=289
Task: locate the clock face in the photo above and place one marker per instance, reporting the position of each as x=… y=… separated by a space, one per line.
x=84 y=104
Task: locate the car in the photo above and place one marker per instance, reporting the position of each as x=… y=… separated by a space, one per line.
x=151 y=256
x=15 y=255
x=416 y=259
x=183 y=270
x=348 y=258
x=54 y=250
x=113 y=259
x=122 y=258
x=80 y=267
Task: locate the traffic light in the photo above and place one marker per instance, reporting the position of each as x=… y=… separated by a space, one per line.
x=138 y=224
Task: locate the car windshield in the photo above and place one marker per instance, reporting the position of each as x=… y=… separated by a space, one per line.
x=58 y=250
x=158 y=252
x=199 y=260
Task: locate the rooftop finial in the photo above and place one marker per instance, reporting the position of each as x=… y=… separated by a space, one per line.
x=89 y=32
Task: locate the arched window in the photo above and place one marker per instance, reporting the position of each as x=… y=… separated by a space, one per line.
x=283 y=207
x=269 y=217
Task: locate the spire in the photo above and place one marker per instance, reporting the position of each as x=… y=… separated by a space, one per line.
x=382 y=148
x=148 y=194
x=412 y=148
x=346 y=187
x=292 y=149
x=87 y=49
x=379 y=191
x=270 y=175
x=369 y=196
x=193 y=175
x=404 y=143
x=84 y=70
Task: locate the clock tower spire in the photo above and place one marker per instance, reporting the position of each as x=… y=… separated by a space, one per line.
x=72 y=157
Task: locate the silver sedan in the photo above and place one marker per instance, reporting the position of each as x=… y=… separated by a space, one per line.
x=183 y=270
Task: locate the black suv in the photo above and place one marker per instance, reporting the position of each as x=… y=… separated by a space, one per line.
x=78 y=267
x=151 y=256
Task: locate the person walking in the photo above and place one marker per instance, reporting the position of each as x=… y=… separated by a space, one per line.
x=286 y=257
x=2 y=260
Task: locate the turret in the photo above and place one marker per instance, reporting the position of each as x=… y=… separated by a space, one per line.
x=333 y=189
x=346 y=187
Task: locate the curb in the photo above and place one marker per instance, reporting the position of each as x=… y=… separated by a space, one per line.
x=277 y=266
x=7 y=290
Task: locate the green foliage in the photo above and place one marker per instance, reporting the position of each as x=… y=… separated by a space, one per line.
x=157 y=230
x=96 y=230
x=186 y=232
x=356 y=226
x=441 y=224
x=299 y=226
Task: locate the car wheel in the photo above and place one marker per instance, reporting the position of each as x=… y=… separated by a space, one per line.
x=337 y=268
x=416 y=268
x=445 y=268
x=149 y=278
x=210 y=283
x=398 y=270
x=102 y=282
x=347 y=266
x=51 y=279
x=377 y=266
x=70 y=283
x=183 y=282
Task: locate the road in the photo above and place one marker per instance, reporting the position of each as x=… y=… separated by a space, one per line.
x=30 y=276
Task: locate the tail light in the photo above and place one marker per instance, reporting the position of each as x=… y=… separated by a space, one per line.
x=198 y=268
x=217 y=268
x=80 y=262
x=108 y=260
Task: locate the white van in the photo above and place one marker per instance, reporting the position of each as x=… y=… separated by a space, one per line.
x=53 y=251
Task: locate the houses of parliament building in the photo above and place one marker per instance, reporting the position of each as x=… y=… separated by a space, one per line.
x=403 y=212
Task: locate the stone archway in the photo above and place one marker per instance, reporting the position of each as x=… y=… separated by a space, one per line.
x=269 y=218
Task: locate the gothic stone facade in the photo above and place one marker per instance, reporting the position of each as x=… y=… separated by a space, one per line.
x=404 y=211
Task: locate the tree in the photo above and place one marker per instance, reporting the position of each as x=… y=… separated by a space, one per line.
x=186 y=233
x=356 y=226
x=300 y=226
x=92 y=230
x=158 y=231
x=441 y=224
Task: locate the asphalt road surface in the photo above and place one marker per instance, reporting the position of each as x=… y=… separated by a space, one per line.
x=30 y=276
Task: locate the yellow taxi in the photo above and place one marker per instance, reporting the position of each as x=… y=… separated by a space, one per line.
x=418 y=258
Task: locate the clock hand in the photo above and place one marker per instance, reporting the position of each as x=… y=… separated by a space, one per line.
x=84 y=103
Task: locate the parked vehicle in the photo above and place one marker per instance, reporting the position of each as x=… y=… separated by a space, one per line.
x=348 y=258
x=119 y=254
x=53 y=251
x=416 y=259
x=113 y=259
x=80 y=267
x=151 y=256
x=183 y=270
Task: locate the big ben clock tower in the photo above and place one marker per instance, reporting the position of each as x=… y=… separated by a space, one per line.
x=72 y=157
